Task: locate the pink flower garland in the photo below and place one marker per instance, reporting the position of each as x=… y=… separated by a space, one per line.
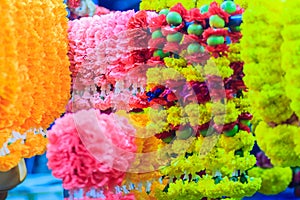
x=102 y=53
x=88 y=33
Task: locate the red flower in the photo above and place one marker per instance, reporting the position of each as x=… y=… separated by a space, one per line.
x=157 y=22
x=214 y=32
x=245 y=116
x=157 y=43
x=138 y=38
x=139 y=20
x=165 y=134
x=237 y=68
x=215 y=9
x=216 y=87
x=196 y=16
x=235 y=36
x=138 y=56
x=225 y=127
x=197 y=58
x=181 y=10
x=73 y=3
x=229 y=94
x=195 y=92
x=172 y=97
x=216 y=50
x=171 y=30
x=138 y=103
x=188 y=39
x=155 y=61
x=244 y=127
x=172 y=47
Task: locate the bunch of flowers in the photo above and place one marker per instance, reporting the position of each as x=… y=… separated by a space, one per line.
x=274 y=179
x=33 y=56
x=114 y=80
x=273 y=90
x=197 y=103
x=269 y=94
x=90 y=150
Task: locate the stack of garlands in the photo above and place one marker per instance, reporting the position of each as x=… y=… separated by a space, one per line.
x=106 y=82
x=272 y=69
x=177 y=76
x=35 y=79
x=198 y=102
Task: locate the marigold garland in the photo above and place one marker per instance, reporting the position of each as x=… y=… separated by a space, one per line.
x=290 y=53
x=273 y=89
x=177 y=120
x=33 y=92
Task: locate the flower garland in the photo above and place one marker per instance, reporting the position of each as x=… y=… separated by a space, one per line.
x=107 y=80
x=289 y=55
x=269 y=86
x=187 y=98
x=9 y=73
x=32 y=76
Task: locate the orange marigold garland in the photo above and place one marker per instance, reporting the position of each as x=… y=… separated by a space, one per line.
x=35 y=79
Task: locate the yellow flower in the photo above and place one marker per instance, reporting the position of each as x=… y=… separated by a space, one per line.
x=219 y=67
x=274 y=180
x=278 y=143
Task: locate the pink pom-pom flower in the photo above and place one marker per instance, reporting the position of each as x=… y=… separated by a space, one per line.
x=91 y=150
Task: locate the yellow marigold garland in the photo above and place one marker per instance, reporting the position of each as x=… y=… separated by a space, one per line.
x=271 y=77
x=290 y=53
x=274 y=180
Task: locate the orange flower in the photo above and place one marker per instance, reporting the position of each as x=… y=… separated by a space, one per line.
x=35 y=78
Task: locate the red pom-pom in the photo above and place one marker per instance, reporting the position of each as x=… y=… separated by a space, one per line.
x=139 y=20
x=157 y=23
x=172 y=47
x=181 y=10
x=216 y=50
x=214 y=32
x=215 y=9
x=157 y=43
x=194 y=15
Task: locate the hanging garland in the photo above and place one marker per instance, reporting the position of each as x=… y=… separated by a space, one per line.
x=270 y=94
x=35 y=80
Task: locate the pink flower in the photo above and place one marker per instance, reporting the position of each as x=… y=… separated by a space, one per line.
x=88 y=149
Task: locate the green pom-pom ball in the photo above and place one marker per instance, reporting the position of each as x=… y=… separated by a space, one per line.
x=204 y=9
x=216 y=21
x=174 y=18
x=164 y=11
x=160 y=53
x=176 y=37
x=215 y=40
x=185 y=133
x=195 y=29
x=229 y=6
x=157 y=34
x=232 y=132
x=195 y=48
